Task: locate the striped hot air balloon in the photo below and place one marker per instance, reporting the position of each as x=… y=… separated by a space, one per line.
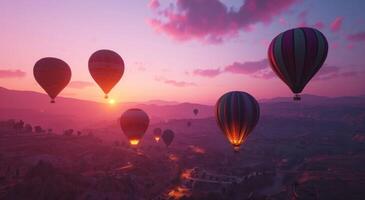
x=53 y=75
x=237 y=114
x=296 y=55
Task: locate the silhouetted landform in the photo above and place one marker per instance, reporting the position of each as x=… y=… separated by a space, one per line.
x=309 y=150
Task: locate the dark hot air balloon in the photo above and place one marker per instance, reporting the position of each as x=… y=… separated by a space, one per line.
x=53 y=75
x=237 y=114
x=107 y=68
x=157 y=132
x=134 y=123
x=195 y=111
x=188 y=123
x=168 y=136
x=296 y=55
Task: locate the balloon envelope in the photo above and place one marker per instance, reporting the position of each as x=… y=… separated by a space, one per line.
x=195 y=111
x=107 y=68
x=134 y=123
x=157 y=132
x=168 y=136
x=188 y=123
x=296 y=55
x=52 y=74
x=237 y=114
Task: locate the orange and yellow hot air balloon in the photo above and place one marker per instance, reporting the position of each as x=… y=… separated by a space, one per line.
x=237 y=114
x=134 y=123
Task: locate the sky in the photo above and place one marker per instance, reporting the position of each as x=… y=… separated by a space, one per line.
x=179 y=50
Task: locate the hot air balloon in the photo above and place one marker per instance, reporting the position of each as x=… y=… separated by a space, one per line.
x=296 y=55
x=157 y=134
x=53 y=75
x=134 y=123
x=188 y=123
x=107 y=68
x=237 y=114
x=168 y=136
x=195 y=111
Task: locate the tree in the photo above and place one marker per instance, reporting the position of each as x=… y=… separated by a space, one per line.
x=50 y=131
x=79 y=133
x=68 y=132
x=38 y=129
x=18 y=126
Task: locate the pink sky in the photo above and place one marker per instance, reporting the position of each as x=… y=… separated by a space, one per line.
x=184 y=50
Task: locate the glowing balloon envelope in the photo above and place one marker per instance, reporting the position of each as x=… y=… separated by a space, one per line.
x=296 y=55
x=53 y=75
x=107 y=68
x=157 y=132
x=134 y=123
x=237 y=114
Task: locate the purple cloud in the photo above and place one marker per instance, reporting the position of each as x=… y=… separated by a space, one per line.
x=262 y=70
x=154 y=4
x=7 y=73
x=318 y=25
x=302 y=18
x=211 y=21
x=331 y=72
x=80 y=84
x=250 y=67
x=207 y=72
x=357 y=37
x=174 y=82
x=336 y=24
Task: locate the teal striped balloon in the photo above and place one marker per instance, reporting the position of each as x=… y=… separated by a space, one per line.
x=237 y=114
x=296 y=55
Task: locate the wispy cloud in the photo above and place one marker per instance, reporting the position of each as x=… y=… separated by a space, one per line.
x=7 y=73
x=357 y=37
x=336 y=24
x=210 y=21
x=207 y=72
x=80 y=84
x=174 y=82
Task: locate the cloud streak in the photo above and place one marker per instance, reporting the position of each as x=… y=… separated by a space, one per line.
x=357 y=37
x=174 y=82
x=336 y=24
x=7 y=73
x=207 y=72
x=261 y=69
x=210 y=21
x=80 y=84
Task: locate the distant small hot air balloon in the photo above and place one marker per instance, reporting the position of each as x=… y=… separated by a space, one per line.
x=168 y=136
x=107 y=68
x=188 y=123
x=134 y=123
x=195 y=111
x=237 y=114
x=53 y=75
x=157 y=132
x=296 y=55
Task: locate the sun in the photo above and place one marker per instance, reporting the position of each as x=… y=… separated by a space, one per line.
x=111 y=101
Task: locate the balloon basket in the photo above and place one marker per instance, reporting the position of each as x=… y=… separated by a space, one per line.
x=297 y=97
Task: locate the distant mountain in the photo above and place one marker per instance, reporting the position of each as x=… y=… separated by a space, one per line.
x=35 y=108
x=315 y=100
